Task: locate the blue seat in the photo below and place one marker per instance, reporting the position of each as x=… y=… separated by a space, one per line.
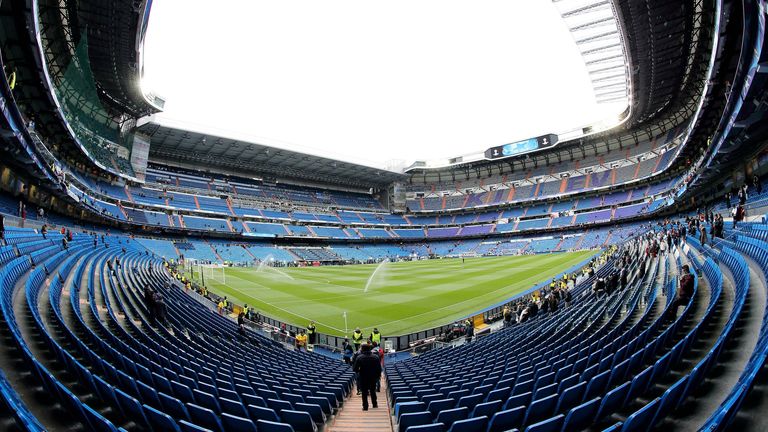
x=293 y=398
x=268 y=426
x=501 y=394
x=206 y=400
x=671 y=399
x=236 y=423
x=436 y=406
x=413 y=419
x=97 y=422
x=314 y=411
x=131 y=408
x=173 y=407
x=640 y=383
x=186 y=426
x=545 y=391
x=571 y=397
x=541 y=409
x=182 y=392
x=470 y=402
x=614 y=428
x=475 y=424
x=642 y=419
x=148 y=395
x=597 y=385
x=448 y=417
x=550 y=425
x=233 y=407
x=205 y=417
x=581 y=416
x=279 y=405
x=408 y=407
x=508 y=419
x=517 y=400
x=300 y=421
x=160 y=420
x=613 y=401
x=249 y=399
x=261 y=413
x=432 y=427
x=322 y=402
x=487 y=409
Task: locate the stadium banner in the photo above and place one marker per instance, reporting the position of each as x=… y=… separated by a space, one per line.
x=139 y=156
x=521 y=147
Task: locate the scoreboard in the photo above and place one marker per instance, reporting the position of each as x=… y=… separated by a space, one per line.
x=521 y=147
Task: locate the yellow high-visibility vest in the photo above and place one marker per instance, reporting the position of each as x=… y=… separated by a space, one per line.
x=376 y=337
x=357 y=337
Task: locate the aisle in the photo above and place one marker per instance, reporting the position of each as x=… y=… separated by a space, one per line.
x=352 y=418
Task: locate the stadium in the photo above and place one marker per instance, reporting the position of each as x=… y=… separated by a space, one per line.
x=162 y=274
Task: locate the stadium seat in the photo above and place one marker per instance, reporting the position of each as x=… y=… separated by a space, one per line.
x=541 y=409
x=205 y=417
x=413 y=419
x=231 y=422
x=550 y=425
x=506 y=420
x=641 y=420
x=613 y=401
x=300 y=421
x=261 y=413
x=432 y=427
x=314 y=410
x=581 y=416
x=487 y=409
x=160 y=421
x=475 y=424
x=186 y=426
x=436 y=406
x=408 y=407
x=268 y=426
x=449 y=416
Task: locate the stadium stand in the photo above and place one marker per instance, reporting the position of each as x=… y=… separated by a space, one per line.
x=100 y=331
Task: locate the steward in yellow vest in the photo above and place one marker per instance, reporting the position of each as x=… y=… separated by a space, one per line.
x=357 y=338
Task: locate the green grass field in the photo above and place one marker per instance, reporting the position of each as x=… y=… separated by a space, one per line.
x=402 y=297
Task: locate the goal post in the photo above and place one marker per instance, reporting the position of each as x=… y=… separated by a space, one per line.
x=214 y=272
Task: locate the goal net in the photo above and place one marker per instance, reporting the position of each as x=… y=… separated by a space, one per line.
x=213 y=272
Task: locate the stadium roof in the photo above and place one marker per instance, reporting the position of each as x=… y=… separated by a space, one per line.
x=177 y=145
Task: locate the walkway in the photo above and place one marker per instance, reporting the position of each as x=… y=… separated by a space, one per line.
x=352 y=418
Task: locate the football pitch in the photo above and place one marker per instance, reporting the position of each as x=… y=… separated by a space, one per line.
x=401 y=297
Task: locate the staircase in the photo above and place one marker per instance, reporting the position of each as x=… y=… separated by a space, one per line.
x=352 y=418
x=128 y=194
x=197 y=203
x=229 y=225
x=229 y=206
x=218 y=257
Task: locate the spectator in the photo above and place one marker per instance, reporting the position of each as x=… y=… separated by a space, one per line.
x=368 y=368
x=241 y=324
x=507 y=316
x=347 y=351
x=2 y=227
x=301 y=340
x=757 y=185
x=684 y=291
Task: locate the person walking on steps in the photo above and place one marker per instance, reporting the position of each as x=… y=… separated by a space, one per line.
x=368 y=368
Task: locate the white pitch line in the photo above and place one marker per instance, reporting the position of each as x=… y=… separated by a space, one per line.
x=454 y=304
x=278 y=307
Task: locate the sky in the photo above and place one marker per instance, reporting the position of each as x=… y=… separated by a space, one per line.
x=369 y=81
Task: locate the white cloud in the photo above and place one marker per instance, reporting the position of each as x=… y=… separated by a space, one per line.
x=373 y=80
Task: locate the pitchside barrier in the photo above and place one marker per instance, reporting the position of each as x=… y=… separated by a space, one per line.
x=413 y=341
